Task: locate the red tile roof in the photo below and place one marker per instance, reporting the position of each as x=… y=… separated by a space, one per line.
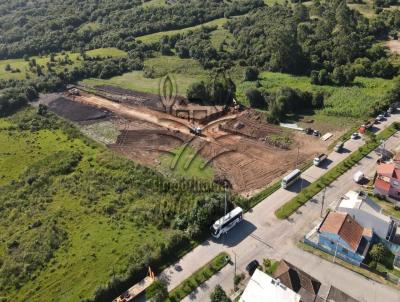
x=386 y=169
x=382 y=185
x=345 y=226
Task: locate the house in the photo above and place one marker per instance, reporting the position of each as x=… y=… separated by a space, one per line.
x=368 y=214
x=342 y=236
x=309 y=288
x=387 y=182
x=262 y=287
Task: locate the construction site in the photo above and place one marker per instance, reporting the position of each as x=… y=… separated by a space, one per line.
x=236 y=142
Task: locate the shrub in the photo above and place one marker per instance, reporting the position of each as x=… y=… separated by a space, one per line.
x=157 y=292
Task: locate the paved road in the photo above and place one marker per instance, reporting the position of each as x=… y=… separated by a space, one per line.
x=262 y=235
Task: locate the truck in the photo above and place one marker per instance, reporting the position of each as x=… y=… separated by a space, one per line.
x=319 y=159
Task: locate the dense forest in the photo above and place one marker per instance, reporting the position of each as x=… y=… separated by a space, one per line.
x=31 y=28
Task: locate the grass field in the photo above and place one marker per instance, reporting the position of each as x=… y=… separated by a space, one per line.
x=354 y=101
x=156 y=36
x=185 y=72
x=106 y=207
x=23 y=65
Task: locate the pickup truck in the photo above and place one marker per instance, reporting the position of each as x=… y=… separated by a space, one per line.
x=319 y=159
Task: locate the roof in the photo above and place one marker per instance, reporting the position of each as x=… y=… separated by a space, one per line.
x=345 y=226
x=298 y=281
x=262 y=287
x=380 y=184
x=386 y=169
x=222 y=220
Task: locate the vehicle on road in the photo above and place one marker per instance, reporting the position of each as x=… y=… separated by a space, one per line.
x=355 y=135
x=319 y=159
x=290 y=179
x=224 y=224
x=339 y=147
x=358 y=176
x=380 y=117
x=252 y=266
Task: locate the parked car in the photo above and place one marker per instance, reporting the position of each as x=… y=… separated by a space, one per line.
x=386 y=113
x=355 y=135
x=380 y=117
x=339 y=147
x=358 y=176
x=319 y=159
x=252 y=266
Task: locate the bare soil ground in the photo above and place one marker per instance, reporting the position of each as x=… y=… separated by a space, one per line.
x=239 y=154
x=394 y=46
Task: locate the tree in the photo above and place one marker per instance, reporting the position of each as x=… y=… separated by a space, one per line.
x=377 y=252
x=31 y=93
x=251 y=74
x=8 y=67
x=157 y=292
x=219 y=295
x=197 y=92
x=256 y=98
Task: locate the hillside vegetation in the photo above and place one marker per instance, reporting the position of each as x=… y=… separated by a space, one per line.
x=78 y=222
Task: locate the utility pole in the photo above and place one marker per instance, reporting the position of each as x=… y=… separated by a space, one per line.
x=323 y=201
x=297 y=158
x=234 y=272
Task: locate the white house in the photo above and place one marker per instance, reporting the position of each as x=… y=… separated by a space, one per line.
x=262 y=288
x=368 y=214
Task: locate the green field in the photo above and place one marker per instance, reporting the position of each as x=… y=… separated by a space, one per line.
x=157 y=36
x=73 y=215
x=184 y=71
x=23 y=65
x=354 y=101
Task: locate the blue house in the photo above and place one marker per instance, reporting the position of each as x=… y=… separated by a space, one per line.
x=342 y=236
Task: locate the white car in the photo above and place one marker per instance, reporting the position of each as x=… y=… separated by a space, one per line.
x=380 y=117
x=355 y=135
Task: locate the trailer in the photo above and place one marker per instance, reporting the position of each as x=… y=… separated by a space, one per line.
x=137 y=289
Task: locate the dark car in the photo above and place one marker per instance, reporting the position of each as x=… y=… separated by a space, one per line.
x=252 y=266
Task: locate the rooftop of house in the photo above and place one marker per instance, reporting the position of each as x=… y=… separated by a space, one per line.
x=345 y=226
x=389 y=169
x=361 y=201
x=382 y=184
x=298 y=281
x=309 y=288
x=262 y=287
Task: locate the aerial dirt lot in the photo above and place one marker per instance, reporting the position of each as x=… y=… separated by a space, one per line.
x=239 y=145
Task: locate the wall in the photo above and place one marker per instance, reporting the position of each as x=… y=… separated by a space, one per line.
x=329 y=242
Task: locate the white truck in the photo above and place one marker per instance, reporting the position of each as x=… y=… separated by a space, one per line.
x=319 y=159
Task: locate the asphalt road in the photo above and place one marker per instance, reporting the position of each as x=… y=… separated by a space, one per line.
x=262 y=235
